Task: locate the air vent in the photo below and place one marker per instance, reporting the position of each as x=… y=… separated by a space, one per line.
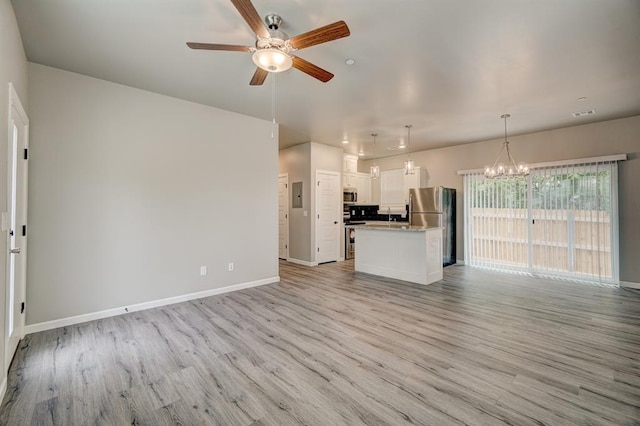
x=584 y=113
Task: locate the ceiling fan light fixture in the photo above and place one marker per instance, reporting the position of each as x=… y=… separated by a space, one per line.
x=272 y=60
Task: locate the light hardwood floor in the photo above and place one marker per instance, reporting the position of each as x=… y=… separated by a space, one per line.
x=326 y=346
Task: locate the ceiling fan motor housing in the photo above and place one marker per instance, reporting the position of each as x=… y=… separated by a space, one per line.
x=273 y=21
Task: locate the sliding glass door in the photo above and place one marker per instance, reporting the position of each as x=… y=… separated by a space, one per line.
x=558 y=221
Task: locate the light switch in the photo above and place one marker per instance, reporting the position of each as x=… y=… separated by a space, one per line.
x=305 y=213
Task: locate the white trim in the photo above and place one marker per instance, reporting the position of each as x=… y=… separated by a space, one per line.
x=14 y=99
x=302 y=262
x=460 y=262
x=3 y=387
x=615 y=157
x=629 y=284
x=63 y=322
x=285 y=175
x=16 y=112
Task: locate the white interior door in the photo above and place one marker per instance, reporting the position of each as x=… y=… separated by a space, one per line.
x=328 y=216
x=17 y=225
x=283 y=216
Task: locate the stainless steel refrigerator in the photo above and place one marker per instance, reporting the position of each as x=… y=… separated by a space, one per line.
x=436 y=207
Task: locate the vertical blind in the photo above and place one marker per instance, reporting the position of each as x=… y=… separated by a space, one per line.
x=560 y=221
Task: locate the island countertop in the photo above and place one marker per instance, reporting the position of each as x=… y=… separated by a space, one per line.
x=393 y=226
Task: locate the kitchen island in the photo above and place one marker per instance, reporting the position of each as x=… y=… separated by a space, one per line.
x=400 y=251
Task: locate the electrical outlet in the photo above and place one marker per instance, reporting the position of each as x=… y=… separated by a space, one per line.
x=203 y=271
x=230 y=266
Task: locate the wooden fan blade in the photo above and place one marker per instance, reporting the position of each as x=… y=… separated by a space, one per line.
x=258 y=77
x=321 y=35
x=212 y=46
x=313 y=70
x=249 y=13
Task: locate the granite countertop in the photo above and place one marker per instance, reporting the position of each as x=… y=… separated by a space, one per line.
x=393 y=226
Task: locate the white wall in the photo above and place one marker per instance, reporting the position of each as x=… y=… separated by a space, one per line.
x=13 y=68
x=590 y=140
x=296 y=162
x=301 y=163
x=131 y=192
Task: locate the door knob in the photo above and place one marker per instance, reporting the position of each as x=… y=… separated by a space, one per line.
x=15 y=250
x=335 y=222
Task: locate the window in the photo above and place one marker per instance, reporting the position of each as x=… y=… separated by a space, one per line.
x=559 y=221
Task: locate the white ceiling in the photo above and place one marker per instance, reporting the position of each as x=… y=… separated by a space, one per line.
x=449 y=68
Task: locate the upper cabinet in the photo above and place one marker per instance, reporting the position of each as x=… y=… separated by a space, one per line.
x=363 y=185
x=392 y=187
x=350 y=164
x=395 y=185
x=351 y=179
x=349 y=171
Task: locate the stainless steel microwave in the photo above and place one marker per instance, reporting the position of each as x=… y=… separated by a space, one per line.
x=350 y=196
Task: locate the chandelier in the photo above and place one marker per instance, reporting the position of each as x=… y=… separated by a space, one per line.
x=409 y=165
x=375 y=169
x=510 y=168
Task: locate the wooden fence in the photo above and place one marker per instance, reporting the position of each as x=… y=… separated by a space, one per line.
x=565 y=241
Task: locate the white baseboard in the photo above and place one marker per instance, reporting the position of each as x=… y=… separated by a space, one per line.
x=63 y=322
x=302 y=262
x=460 y=262
x=3 y=386
x=629 y=284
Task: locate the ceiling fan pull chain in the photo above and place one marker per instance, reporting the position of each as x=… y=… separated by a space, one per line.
x=273 y=106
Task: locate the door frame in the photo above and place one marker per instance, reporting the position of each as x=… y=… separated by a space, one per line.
x=316 y=210
x=15 y=105
x=285 y=175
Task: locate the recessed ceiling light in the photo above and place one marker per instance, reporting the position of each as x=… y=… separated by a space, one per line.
x=345 y=141
x=361 y=154
x=350 y=61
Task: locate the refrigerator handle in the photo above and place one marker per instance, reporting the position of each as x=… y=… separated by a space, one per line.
x=410 y=206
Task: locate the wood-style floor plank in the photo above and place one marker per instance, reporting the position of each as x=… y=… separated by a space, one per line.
x=328 y=346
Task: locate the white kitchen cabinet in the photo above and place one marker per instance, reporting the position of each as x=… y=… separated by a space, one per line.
x=409 y=254
x=391 y=188
x=363 y=184
x=349 y=180
x=395 y=185
x=350 y=164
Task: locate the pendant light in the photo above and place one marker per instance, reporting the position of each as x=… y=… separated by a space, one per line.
x=375 y=169
x=511 y=168
x=409 y=165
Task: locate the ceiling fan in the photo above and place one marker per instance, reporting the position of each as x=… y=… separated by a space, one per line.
x=272 y=51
